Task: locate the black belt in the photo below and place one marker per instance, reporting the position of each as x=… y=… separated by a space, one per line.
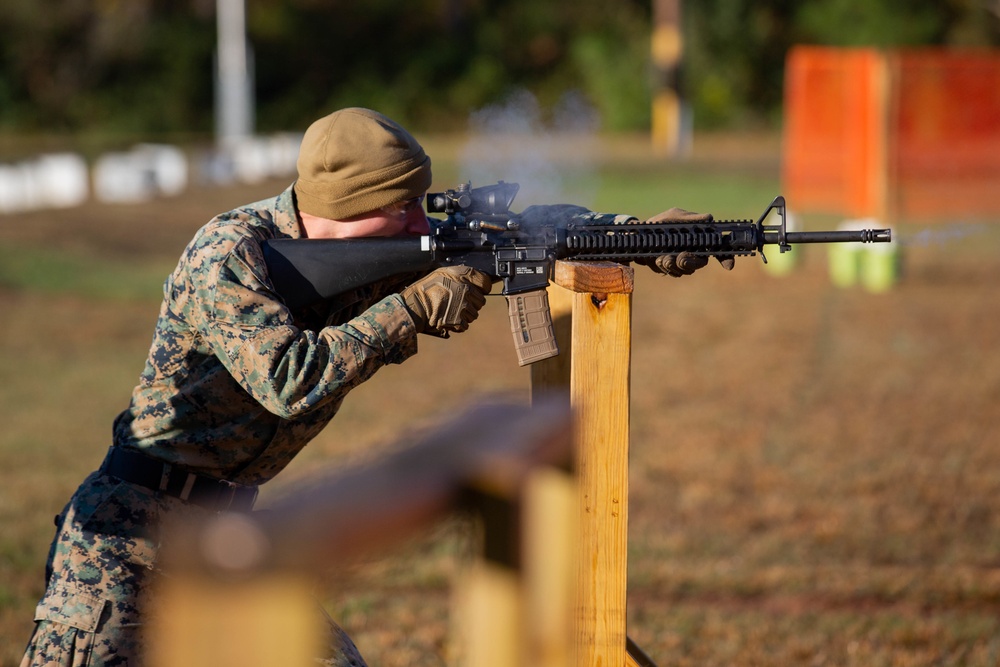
x=137 y=468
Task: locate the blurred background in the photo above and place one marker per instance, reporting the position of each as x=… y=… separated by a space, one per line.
x=89 y=71
x=815 y=467
x=151 y=96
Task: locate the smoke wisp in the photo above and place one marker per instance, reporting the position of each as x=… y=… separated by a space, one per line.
x=516 y=141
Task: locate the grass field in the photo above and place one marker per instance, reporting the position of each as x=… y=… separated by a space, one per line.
x=815 y=472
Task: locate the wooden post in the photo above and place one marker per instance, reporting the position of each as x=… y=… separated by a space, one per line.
x=551 y=560
x=209 y=621
x=553 y=374
x=488 y=607
x=599 y=355
x=515 y=607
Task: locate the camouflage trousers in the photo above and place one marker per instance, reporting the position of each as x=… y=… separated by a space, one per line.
x=100 y=568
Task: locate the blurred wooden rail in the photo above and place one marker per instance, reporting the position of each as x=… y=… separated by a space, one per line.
x=238 y=594
x=550 y=587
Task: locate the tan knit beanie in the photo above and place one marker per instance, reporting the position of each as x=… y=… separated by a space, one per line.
x=355 y=161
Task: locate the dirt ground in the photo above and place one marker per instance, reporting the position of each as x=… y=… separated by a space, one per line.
x=814 y=470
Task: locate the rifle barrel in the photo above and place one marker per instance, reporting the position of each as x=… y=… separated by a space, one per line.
x=843 y=236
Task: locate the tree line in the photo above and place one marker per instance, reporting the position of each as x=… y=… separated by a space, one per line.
x=145 y=67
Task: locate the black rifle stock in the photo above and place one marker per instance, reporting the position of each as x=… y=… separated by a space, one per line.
x=520 y=250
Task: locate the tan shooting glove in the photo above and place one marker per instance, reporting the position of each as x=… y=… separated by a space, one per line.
x=447 y=300
x=683 y=263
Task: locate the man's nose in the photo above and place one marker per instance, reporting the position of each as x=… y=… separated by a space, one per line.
x=416 y=222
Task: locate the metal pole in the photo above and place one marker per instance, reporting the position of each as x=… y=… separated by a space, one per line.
x=234 y=91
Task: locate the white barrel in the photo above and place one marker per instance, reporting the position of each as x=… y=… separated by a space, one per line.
x=123 y=177
x=167 y=166
x=63 y=180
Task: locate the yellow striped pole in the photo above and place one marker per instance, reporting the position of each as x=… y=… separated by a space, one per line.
x=666 y=51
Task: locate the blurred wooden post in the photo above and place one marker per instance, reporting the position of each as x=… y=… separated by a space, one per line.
x=595 y=364
x=666 y=51
x=551 y=561
x=211 y=621
x=514 y=604
x=552 y=375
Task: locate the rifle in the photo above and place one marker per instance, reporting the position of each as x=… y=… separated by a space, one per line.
x=520 y=249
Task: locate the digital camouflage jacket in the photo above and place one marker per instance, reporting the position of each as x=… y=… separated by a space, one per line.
x=235 y=383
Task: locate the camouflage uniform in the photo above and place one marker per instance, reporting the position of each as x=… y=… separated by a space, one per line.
x=234 y=386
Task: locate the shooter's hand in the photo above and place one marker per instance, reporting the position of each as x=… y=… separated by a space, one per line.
x=447 y=300
x=683 y=263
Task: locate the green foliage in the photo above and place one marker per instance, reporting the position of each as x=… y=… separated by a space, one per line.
x=866 y=23
x=146 y=66
x=610 y=70
x=735 y=49
x=94 y=65
x=446 y=59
